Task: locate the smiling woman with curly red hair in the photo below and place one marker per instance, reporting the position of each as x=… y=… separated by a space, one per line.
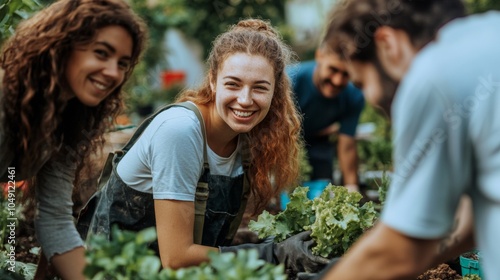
x=191 y=168
x=64 y=72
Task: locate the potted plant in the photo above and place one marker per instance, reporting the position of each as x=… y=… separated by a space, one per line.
x=470 y=263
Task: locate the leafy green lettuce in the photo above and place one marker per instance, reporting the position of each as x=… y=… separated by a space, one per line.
x=335 y=219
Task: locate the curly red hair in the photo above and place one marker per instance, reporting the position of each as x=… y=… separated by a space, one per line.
x=276 y=141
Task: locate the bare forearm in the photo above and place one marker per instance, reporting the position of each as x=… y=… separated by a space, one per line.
x=461 y=239
x=174 y=226
x=193 y=256
x=384 y=254
x=70 y=265
x=348 y=159
x=452 y=247
x=349 y=168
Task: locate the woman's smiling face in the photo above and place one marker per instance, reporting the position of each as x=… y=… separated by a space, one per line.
x=244 y=90
x=96 y=69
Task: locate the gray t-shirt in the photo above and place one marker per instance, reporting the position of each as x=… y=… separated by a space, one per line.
x=167 y=160
x=54 y=223
x=446 y=121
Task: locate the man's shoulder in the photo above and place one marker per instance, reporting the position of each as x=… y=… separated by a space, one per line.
x=463 y=51
x=462 y=41
x=353 y=95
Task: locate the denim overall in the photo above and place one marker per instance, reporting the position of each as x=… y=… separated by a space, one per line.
x=117 y=203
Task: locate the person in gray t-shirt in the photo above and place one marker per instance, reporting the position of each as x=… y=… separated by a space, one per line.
x=446 y=129
x=64 y=72
x=190 y=169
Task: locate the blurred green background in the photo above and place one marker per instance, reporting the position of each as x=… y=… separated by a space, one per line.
x=202 y=21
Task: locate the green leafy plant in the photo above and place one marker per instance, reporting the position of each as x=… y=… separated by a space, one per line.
x=228 y=266
x=471 y=277
x=292 y=220
x=383 y=187
x=335 y=218
x=20 y=270
x=375 y=152
x=127 y=256
x=339 y=220
x=305 y=167
x=204 y=20
x=12 y=12
x=479 y=6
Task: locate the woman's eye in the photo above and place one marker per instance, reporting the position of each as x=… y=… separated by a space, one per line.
x=101 y=53
x=124 y=65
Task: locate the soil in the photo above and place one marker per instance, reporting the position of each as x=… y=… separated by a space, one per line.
x=471 y=255
x=441 y=272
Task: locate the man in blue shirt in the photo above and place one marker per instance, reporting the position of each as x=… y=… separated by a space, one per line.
x=327 y=99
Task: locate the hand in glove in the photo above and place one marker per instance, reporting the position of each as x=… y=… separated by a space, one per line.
x=295 y=254
x=264 y=249
x=318 y=275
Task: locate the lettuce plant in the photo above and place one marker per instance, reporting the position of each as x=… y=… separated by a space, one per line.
x=335 y=219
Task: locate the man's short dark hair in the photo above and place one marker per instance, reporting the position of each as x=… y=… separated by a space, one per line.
x=353 y=23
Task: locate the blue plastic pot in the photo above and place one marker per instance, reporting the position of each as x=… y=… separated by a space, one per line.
x=470 y=266
x=316 y=187
x=284 y=199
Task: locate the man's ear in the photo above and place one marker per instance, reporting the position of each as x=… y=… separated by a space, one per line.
x=395 y=51
x=387 y=44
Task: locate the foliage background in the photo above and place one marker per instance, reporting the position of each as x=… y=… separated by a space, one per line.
x=201 y=20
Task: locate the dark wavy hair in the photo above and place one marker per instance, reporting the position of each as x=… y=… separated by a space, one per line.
x=275 y=142
x=39 y=121
x=353 y=23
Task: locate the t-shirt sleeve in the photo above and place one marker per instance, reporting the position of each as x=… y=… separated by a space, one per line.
x=422 y=196
x=176 y=154
x=54 y=223
x=350 y=121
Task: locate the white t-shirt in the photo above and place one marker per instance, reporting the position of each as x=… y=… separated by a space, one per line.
x=446 y=121
x=167 y=160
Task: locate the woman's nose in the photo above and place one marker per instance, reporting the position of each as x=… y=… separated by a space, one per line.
x=245 y=97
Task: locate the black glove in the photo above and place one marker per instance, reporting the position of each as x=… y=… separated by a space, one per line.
x=264 y=249
x=319 y=275
x=295 y=254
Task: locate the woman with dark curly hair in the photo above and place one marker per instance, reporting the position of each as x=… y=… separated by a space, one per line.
x=62 y=87
x=239 y=133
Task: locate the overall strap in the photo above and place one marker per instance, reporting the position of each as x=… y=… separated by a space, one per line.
x=245 y=158
x=201 y=194
x=142 y=127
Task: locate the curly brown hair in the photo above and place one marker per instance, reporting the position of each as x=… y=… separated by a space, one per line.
x=276 y=141
x=39 y=121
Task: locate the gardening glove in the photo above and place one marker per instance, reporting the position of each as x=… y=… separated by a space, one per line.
x=319 y=275
x=295 y=254
x=264 y=249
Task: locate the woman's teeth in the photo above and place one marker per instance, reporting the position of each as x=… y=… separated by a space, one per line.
x=100 y=86
x=242 y=114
